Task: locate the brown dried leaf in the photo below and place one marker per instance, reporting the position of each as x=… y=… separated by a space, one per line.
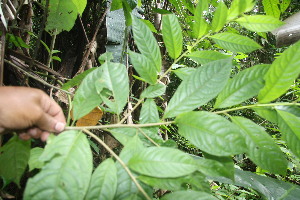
x=90 y=119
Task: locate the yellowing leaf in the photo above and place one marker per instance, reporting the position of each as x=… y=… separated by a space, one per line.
x=90 y=119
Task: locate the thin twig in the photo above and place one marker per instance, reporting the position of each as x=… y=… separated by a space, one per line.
x=86 y=37
x=120 y=161
x=256 y=106
x=36 y=78
x=119 y=126
x=152 y=141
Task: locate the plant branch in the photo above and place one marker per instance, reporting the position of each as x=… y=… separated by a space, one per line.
x=152 y=141
x=119 y=126
x=120 y=161
x=35 y=78
x=256 y=106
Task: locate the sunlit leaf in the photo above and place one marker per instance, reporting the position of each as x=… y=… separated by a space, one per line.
x=91 y=119
x=206 y=56
x=192 y=195
x=146 y=42
x=242 y=87
x=283 y=71
x=238 y=7
x=200 y=87
x=172 y=35
x=259 y=23
x=144 y=67
x=219 y=17
x=86 y=97
x=211 y=133
x=184 y=73
x=80 y=4
x=235 y=42
x=262 y=149
x=271 y=7
x=284 y=5
x=154 y=91
x=68 y=169
x=162 y=162
x=14 y=156
x=104 y=181
x=200 y=26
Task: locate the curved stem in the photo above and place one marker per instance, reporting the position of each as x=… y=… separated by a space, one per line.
x=118 y=126
x=257 y=105
x=120 y=161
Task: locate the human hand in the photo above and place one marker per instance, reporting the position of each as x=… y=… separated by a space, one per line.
x=29 y=111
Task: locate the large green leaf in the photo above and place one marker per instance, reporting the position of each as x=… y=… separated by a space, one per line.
x=68 y=169
x=271 y=8
x=172 y=35
x=190 y=194
x=184 y=73
x=104 y=181
x=200 y=26
x=62 y=15
x=146 y=42
x=271 y=188
x=144 y=67
x=114 y=78
x=200 y=87
x=14 y=156
x=149 y=112
x=259 y=23
x=86 y=97
x=203 y=57
x=34 y=161
x=289 y=126
x=162 y=162
x=262 y=149
x=219 y=17
x=126 y=188
x=284 y=70
x=235 y=42
x=238 y=7
x=242 y=87
x=77 y=79
x=154 y=91
x=211 y=133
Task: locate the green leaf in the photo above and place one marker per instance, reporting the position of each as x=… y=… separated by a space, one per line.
x=126 y=188
x=56 y=58
x=80 y=4
x=192 y=195
x=219 y=17
x=283 y=71
x=146 y=42
x=284 y=5
x=127 y=12
x=34 y=161
x=271 y=188
x=259 y=23
x=150 y=25
x=267 y=113
x=262 y=149
x=271 y=8
x=77 y=79
x=211 y=133
x=62 y=15
x=106 y=57
x=154 y=91
x=238 y=7
x=200 y=26
x=288 y=124
x=200 y=87
x=235 y=42
x=86 y=97
x=14 y=156
x=114 y=78
x=172 y=35
x=215 y=166
x=162 y=162
x=242 y=87
x=104 y=181
x=144 y=67
x=203 y=57
x=149 y=112
x=184 y=73
x=68 y=169
x=116 y=5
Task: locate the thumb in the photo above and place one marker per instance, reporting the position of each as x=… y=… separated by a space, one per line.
x=50 y=124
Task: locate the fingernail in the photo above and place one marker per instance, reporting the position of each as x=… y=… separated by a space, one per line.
x=59 y=127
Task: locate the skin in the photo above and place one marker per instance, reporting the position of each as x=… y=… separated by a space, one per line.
x=30 y=112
